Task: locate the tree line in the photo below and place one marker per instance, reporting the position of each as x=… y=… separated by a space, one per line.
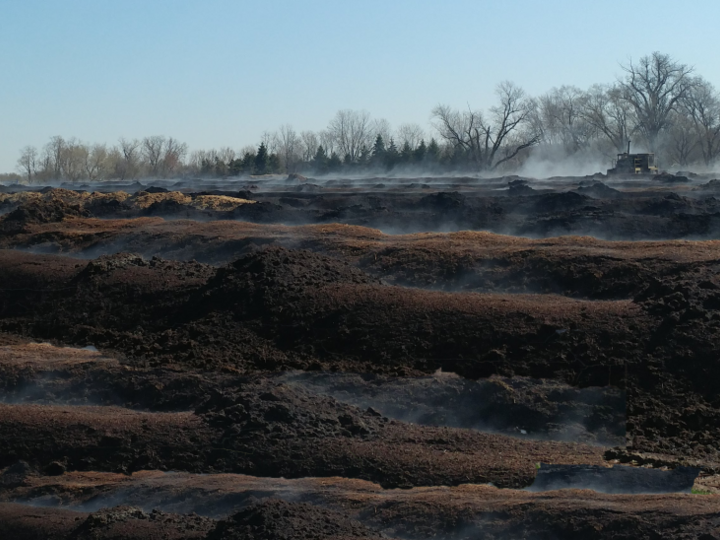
x=658 y=103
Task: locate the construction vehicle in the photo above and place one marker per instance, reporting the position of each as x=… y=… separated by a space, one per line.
x=628 y=163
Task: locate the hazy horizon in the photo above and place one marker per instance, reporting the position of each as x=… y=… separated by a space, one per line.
x=220 y=73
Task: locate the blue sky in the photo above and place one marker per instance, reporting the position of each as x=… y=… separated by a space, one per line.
x=218 y=72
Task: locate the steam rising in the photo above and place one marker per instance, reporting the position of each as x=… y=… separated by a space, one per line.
x=521 y=407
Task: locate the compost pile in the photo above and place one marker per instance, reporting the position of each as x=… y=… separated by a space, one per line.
x=361 y=358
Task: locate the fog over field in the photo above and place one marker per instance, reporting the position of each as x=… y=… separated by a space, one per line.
x=657 y=105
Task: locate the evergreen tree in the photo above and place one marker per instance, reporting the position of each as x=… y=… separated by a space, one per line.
x=221 y=169
x=419 y=153
x=392 y=156
x=334 y=163
x=206 y=167
x=320 y=161
x=433 y=151
x=261 y=160
x=347 y=160
x=365 y=156
x=235 y=167
x=378 y=151
x=406 y=154
x=454 y=157
x=274 y=165
x=248 y=162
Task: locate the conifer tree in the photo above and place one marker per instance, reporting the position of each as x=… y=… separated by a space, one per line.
x=406 y=154
x=248 y=162
x=420 y=151
x=261 y=160
x=433 y=151
x=334 y=163
x=320 y=161
x=235 y=167
x=365 y=156
x=392 y=156
x=274 y=165
x=378 y=151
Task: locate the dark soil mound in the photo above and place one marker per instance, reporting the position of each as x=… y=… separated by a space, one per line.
x=260 y=212
x=294 y=202
x=670 y=178
x=35 y=212
x=598 y=190
x=408 y=205
x=108 y=208
x=518 y=406
x=267 y=276
x=684 y=356
x=170 y=207
x=282 y=267
x=560 y=202
x=127 y=522
x=284 y=412
x=443 y=201
x=108 y=263
x=275 y=519
x=281 y=309
x=670 y=204
x=155 y=189
x=712 y=185
x=15 y=475
x=519 y=188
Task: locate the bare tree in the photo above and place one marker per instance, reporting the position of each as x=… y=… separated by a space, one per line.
x=130 y=151
x=560 y=116
x=411 y=134
x=175 y=152
x=605 y=109
x=27 y=162
x=654 y=87
x=269 y=139
x=73 y=158
x=680 y=139
x=152 y=151
x=309 y=143
x=702 y=105
x=289 y=148
x=54 y=156
x=380 y=126
x=114 y=162
x=204 y=161
x=327 y=141
x=96 y=162
x=195 y=160
x=351 y=131
x=489 y=143
x=226 y=154
x=45 y=166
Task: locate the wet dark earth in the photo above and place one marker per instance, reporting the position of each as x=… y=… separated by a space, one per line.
x=272 y=359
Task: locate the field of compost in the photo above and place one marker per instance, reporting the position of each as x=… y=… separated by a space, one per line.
x=418 y=358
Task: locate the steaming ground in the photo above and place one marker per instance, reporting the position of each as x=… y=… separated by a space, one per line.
x=261 y=359
x=671 y=207
x=521 y=406
x=282 y=505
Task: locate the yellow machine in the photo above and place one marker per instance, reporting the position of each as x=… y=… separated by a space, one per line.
x=628 y=163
